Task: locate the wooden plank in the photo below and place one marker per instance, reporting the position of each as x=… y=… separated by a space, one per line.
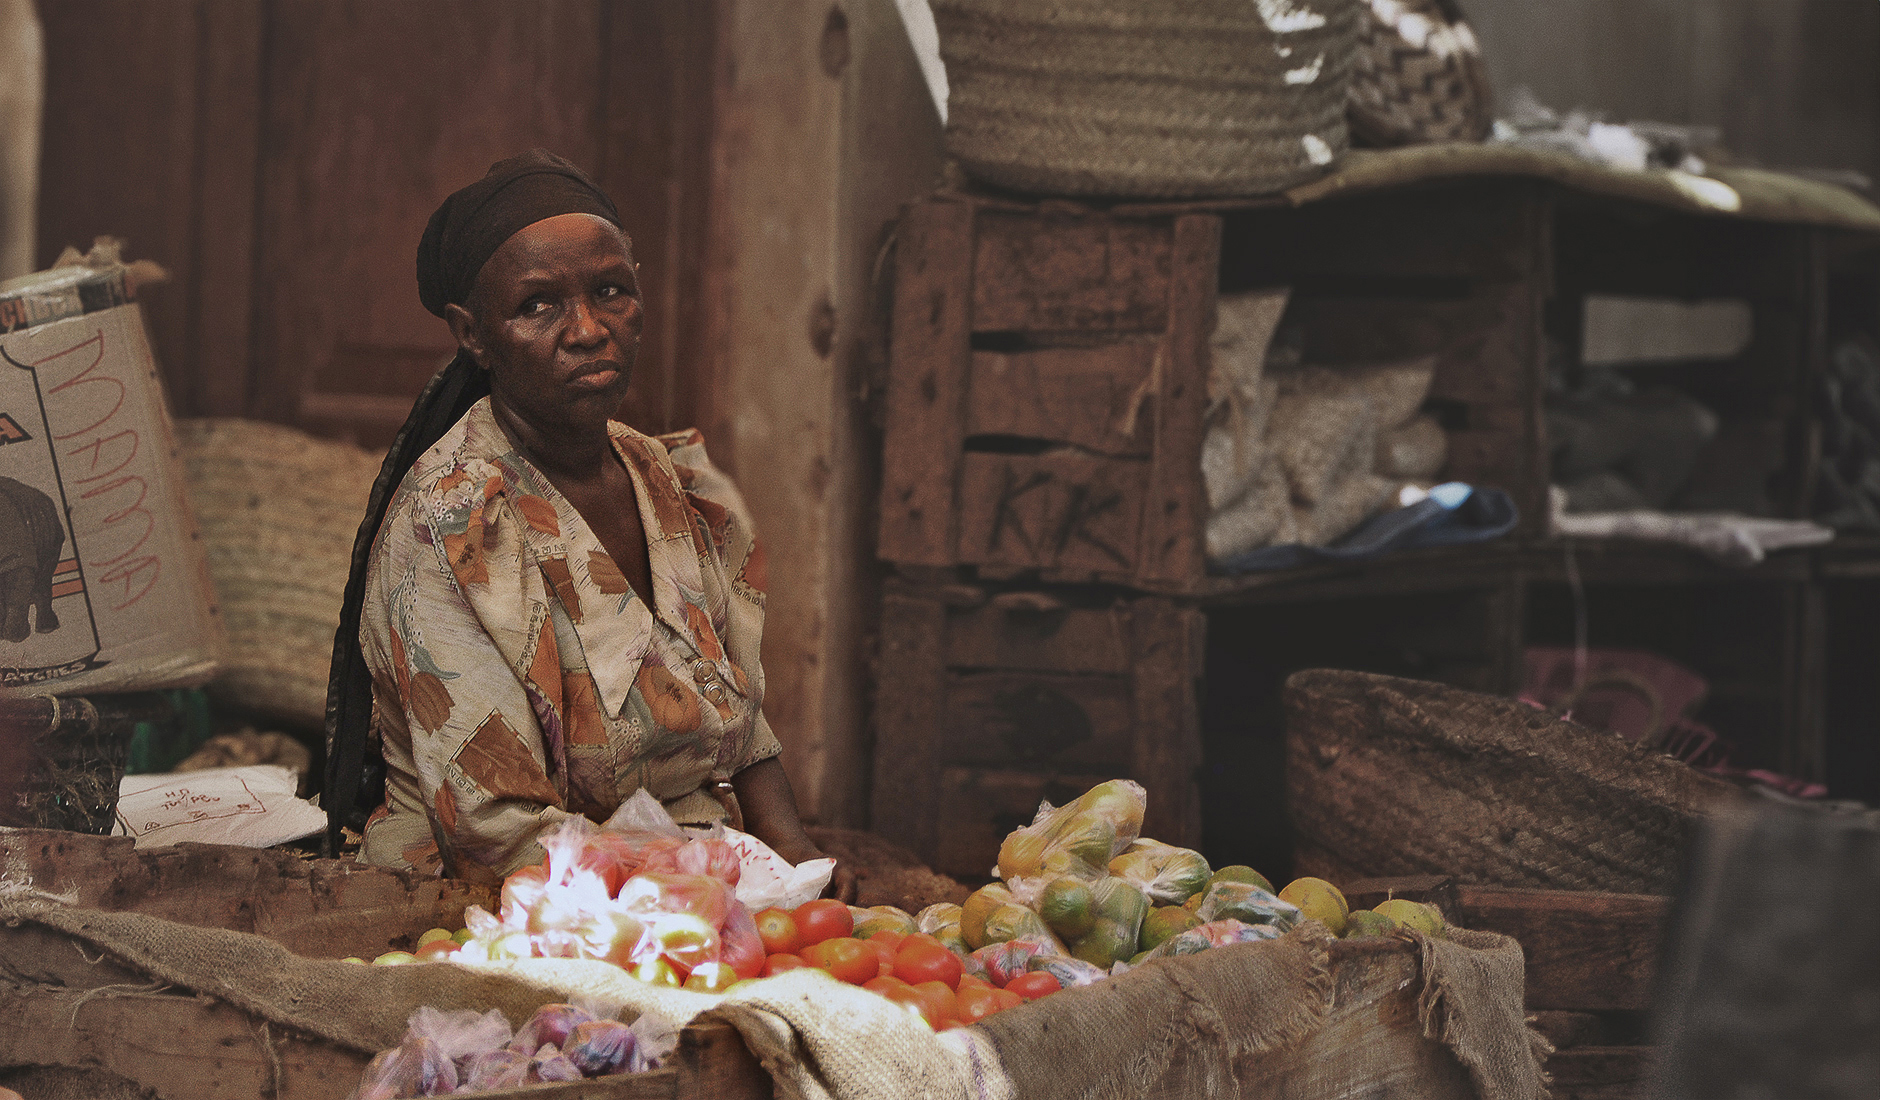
x=179 y=1047
x=1469 y=230
x=1062 y=509
x=1030 y=719
x=1169 y=646
x=1072 y=639
x=1095 y=397
x=1586 y=951
x=713 y=1063
x=1804 y=680
x=929 y=357
x=909 y=681
x=1175 y=508
x=317 y=908
x=195 y=1048
x=1366 y=893
x=1600 y=1072
x=980 y=806
x=1058 y=271
x=1369 y=1043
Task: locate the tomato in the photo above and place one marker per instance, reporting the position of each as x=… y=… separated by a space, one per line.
x=782 y=964
x=919 y=961
x=1007 y=999
x=1033 y=985
x=918 y=937
x=884 y=952
x=887 y=938
x=850 y=960
x=977 y=1002
x=935 y=1002
x=973 y=981
x=711 y=977
x=882 y=984
x=777 y=928
x=823 y=919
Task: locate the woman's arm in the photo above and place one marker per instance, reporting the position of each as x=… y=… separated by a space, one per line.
x=770 y=815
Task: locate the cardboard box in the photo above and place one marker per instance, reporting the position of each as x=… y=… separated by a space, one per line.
x=103 y=583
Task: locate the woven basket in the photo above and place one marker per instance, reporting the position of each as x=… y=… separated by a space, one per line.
x=1417 y=76
x=278 y=510
x=1173 y=99
x=1399 y=777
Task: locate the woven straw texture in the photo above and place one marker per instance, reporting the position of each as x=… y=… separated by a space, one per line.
x=1417 y=76
x=1400 y=777
x=278 y=510
x=1176 y=99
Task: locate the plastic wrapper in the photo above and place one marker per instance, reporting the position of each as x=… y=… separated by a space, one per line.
x=1246 y=903
x=1004 y=961
x=1119 y=909
x=601 y=1047
x=1166 y=874
x=642 y=837
x=1068 y=971
x=417 y=1067
x=551 y=1025
x=1218 y=933
x=883 y=918
x=1078 y=839
x=494 y=1069
x=942 y=922
x=1015 y=922
x=980 y=906
x=552 y=1065
x=937 y=917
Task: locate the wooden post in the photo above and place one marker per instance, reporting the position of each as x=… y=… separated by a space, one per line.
x=1174 y=509
x=929 y=358
x=910 y=685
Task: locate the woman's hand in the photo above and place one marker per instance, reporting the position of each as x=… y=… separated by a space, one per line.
x=769 y=808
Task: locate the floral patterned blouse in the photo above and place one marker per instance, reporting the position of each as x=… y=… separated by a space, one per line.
x=518 y=678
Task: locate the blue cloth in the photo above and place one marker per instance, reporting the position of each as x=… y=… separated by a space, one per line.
x=1453 y=514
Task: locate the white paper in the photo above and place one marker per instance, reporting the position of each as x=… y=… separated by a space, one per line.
x=766 y=878
x=254 y=807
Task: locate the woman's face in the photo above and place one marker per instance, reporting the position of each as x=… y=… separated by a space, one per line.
x=555 y=317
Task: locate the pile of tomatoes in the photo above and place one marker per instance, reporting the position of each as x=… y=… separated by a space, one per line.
x=917 y=970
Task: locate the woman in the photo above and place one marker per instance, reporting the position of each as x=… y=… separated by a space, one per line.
x=555 y=610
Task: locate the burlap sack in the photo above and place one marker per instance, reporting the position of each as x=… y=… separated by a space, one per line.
x=1178 y=1027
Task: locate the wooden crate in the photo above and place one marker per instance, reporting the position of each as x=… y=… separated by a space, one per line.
x=1046 y=391
x=1592 y=968
x=989 y=702
x=60 y=1007
x=1048 y=363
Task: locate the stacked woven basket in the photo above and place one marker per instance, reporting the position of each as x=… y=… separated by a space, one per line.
x=1174 y=99
x=1183 y=99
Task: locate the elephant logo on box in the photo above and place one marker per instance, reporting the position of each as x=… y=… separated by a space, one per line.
x=31 y=537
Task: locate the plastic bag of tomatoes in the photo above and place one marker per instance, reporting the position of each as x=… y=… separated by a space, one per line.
x=915 y=970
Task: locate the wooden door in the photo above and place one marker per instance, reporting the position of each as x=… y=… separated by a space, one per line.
x=281 y=157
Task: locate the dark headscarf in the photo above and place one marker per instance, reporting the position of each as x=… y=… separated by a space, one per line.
x=459 y=239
